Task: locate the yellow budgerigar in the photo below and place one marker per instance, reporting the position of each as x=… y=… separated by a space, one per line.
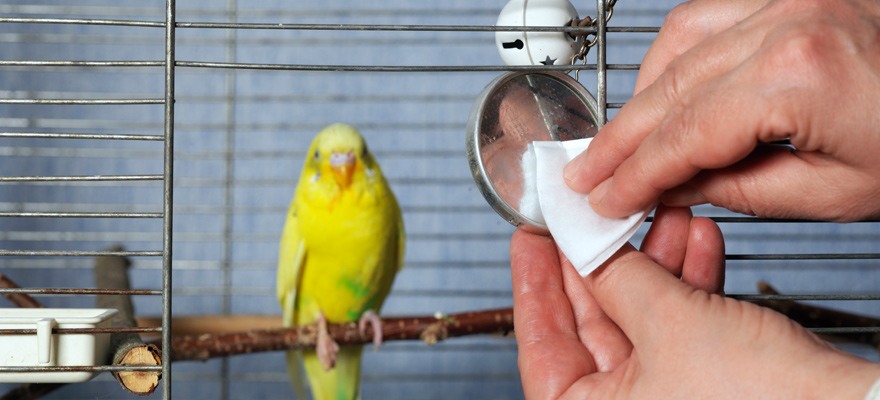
x=342 y=245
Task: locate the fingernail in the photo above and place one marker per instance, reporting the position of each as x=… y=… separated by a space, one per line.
x=569 y=172
x=572 y=170
x=597 y=195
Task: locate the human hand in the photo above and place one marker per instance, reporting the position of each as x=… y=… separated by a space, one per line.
x=652 y=325
x=724 y=78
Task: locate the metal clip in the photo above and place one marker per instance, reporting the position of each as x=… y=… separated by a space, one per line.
x=44 y=339
x=588 y=21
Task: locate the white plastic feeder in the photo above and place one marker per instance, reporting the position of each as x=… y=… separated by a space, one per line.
x=536 y=48
x=45 y=349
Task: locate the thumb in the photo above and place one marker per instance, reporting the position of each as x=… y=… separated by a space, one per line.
x=638 y=294
x=773 y=179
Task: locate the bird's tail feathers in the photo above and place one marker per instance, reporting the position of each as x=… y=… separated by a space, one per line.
x=341 y=382
x=297 y=374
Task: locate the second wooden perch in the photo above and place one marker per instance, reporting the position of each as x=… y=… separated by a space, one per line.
x=428 y=329
x=111 y=272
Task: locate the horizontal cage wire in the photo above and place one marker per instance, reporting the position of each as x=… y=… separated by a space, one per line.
x=53 y=194
x=93 y=106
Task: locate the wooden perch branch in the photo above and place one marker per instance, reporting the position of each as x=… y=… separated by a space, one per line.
x=111 y=272
x=212 y=324
x=21 y=300
x=433 y=329
x=430 y=329
x=820 y=317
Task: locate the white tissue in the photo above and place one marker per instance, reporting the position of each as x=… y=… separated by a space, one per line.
x=529 y=206
x=586 y=238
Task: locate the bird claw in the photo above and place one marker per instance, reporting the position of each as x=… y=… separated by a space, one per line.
x=326 y=348
x=371 y=318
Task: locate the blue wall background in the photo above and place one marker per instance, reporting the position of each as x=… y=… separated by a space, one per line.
x=240 y=139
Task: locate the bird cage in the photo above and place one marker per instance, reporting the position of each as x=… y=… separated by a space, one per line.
x=129 y=129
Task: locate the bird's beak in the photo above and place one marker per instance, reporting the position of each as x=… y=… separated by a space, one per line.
x=342 y=165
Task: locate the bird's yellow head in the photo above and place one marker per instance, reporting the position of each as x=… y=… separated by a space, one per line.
x=338 y=151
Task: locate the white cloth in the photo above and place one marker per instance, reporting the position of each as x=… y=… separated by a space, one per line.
x=874 y=392
x=586 y=238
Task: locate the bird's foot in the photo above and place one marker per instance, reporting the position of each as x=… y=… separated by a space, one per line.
x=371 y=318
x=326 y=347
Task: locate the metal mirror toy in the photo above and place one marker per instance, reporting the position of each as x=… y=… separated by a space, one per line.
x=514 y=110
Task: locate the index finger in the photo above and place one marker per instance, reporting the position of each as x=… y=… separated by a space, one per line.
x=620 y=138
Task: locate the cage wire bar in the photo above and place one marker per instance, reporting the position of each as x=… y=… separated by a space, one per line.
x=170 y=65
x=166 y=178
x=601 y=67
x=168 y=203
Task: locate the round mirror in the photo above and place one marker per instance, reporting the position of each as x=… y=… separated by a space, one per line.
x=514 y=110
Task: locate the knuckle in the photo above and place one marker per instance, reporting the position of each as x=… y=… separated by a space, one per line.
x=814 y=40
x=615 y=271
x=812 y=6
x=697 y=19
x=680 y=128
x=679 y=18
x=738 y=197
x=801 y=48
x=688 y=22
x=672 y=83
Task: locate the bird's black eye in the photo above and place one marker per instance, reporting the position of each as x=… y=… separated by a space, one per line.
x=317 y=154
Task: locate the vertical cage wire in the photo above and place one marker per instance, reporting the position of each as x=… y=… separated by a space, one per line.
x=801 y=256
x=62 y=124
x=168 y=197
